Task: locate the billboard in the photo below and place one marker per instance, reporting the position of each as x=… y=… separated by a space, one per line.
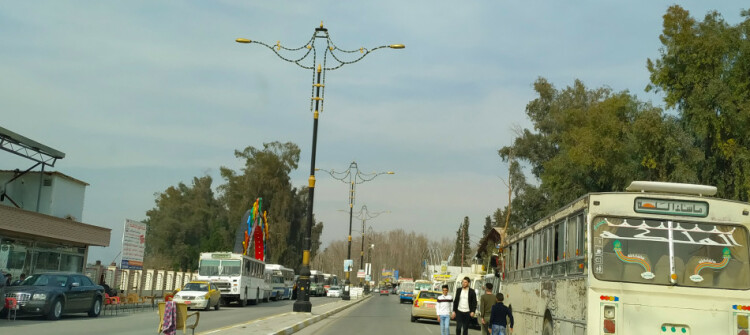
x=133 y=245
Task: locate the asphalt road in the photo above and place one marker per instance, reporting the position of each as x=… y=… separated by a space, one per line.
x=144 y=322
x=377 y=316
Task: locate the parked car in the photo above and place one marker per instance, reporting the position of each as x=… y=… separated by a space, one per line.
x=424 y=305
x=54 y=294
x=384 y=291
x=199 y=294
x=334 y=291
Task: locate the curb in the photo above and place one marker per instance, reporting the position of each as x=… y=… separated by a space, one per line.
x=300 y=325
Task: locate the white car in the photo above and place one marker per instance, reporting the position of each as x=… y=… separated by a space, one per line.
x=334 y=291
x=199 y=294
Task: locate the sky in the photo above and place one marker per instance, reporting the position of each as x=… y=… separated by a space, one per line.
x=143 y=95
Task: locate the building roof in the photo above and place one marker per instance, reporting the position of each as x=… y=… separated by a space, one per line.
x=53 y=173
x=22 y=223
x=492 y=237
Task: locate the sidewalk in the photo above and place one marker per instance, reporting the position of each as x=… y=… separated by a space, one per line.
x=287 y=323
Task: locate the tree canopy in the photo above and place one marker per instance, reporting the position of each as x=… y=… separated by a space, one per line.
x=188 y=220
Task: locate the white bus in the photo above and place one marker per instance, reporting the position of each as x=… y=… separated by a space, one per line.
x=240 y=278
x=317 y=281
x=663 y=259
x=281 y=280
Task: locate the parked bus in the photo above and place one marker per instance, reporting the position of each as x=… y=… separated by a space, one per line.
x=664 y=258
x=240 y=278
x=316 y=283
x=281 y=280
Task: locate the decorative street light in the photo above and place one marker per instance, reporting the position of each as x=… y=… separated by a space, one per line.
x=354 y=176
x=365 y=215
x=303 y=303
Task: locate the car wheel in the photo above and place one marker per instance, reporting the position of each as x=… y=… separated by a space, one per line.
x=413 y=318
x=96 y=308
x=216 y=308
x=55 y=310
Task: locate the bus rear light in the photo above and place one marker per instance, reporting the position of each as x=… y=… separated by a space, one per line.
x=609 y=326
x=742 y=324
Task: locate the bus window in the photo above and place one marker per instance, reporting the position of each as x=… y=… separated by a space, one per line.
x=559 y=241
x=570 y=250
x=580 y=249
x=720 y=263
x=628 y=255
x=545 y=246
x=537 y=246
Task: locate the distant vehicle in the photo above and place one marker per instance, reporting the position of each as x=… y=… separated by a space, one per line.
x=55 y=294
x=316 y=283
x=406 y=292
x=240 y=278
x=334 y=292
x=422 y=284
x=424 y=305
x=384 y=291
x=281 y=281
x=199 y=294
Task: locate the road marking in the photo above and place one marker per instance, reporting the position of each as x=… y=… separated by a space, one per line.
x=216 y=330
x=428 y=329
x=243 y=323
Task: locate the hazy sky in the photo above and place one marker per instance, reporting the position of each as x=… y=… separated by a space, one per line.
x=142 y=95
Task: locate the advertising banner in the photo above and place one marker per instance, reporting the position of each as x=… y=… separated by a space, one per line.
x=348 y=265
x=133 y=245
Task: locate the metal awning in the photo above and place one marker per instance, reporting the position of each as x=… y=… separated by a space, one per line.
x=28 y=148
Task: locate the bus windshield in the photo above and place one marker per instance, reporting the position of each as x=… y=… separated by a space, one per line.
x=209 y=267
x=231 y=267
x=637 y=250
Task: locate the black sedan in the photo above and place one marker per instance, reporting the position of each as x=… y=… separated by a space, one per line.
x=53 y=294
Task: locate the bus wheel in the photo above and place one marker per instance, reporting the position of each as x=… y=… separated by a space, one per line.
x=243 y=299
x=547 y=326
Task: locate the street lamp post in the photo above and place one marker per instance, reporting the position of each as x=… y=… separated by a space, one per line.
x=354 y=176
x=303 y=286
x=365 y=215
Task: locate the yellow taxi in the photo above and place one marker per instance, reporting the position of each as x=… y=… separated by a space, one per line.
x=424 y=306
x=199 y=294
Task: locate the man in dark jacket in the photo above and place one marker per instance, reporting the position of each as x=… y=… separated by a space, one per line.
x=464 y=305
x=500 y=315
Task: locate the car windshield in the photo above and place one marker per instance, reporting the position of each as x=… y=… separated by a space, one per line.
x=428 y=295
x=45 y=280
x=334 y=288
x=638 y=250
x=203 y=287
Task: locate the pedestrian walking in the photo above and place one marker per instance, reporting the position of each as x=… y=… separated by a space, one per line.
x=486 y=301
x=444 y=303
x=464 y=305
x=499 y=317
